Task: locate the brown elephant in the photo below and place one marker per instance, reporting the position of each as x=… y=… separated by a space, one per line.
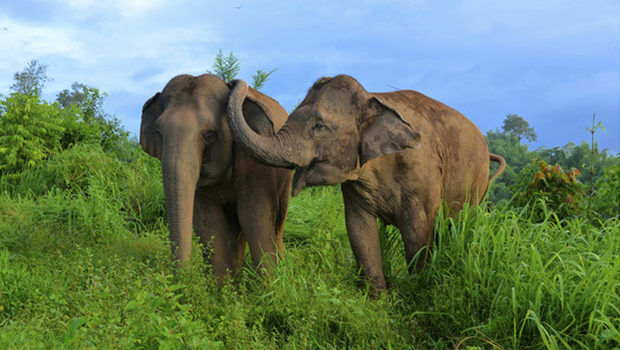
x=398 y=156
x=209 y=181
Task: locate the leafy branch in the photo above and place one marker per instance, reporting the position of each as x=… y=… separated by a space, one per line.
x=228 y=67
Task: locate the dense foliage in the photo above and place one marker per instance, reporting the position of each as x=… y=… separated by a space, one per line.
x=607 y=193
x=85 y=263
x=592 y=170
x=552 y=188
x=515 y=125
x=32 y=130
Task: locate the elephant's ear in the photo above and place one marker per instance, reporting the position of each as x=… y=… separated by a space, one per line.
x=150 y=139
x=263 y=114
x=385 y=132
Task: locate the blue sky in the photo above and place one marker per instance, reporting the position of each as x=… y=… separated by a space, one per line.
x=554 y=62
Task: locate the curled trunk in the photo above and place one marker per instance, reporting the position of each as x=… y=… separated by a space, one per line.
x=280 y=150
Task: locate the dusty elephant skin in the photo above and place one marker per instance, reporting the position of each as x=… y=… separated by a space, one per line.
x=398 y=155
x=209 y=182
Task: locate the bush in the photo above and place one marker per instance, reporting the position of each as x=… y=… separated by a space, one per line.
x=86 y=173
x=30 y=132
x=560 y=191
x=606 y=201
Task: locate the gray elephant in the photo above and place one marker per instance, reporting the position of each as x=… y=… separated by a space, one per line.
x=209 y=182
x=398 y=156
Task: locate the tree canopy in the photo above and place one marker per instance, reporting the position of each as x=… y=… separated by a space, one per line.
x=521 y=161
x=517 y=126
x=31 y=80
x=32 y=129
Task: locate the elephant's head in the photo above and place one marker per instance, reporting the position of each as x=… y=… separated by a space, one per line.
x=338 y=127
x=185 y=126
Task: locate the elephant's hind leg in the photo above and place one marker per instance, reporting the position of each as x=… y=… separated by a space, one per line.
x=258 y=220
x=224 y=247
x=417 y=230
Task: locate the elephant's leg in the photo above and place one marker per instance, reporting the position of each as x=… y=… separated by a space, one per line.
x=258 y=218
x=364 y=238
x=416 y=225
x=224 y=246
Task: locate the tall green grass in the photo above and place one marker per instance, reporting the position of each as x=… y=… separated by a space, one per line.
x=548 y=285
x=84 y=264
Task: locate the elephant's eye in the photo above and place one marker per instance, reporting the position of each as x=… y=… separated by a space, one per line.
x=317 y=126
x=208 y=136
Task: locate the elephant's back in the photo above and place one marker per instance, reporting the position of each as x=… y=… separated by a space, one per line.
x=439 y=125
x=457 y=144
x=416 y=107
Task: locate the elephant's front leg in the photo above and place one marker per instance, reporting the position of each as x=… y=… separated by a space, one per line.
x=364 y=238
x=224 y=246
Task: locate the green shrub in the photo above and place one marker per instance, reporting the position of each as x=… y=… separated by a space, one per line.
x=560 y=191
x=85 y=170
x=30 y=132
x=33 y=130
x=606 y=200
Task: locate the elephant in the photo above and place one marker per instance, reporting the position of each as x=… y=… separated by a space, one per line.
x=210 y=183
x=398 y=156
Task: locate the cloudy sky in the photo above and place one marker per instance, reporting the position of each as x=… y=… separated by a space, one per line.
x=554 y=62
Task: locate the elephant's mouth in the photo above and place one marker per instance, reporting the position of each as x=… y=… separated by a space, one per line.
x=300 y=179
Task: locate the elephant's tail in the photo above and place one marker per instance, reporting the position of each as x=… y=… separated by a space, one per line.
x=500 y=169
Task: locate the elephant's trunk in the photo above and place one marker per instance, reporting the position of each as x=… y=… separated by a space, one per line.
x=280 y=150
x=180 y=176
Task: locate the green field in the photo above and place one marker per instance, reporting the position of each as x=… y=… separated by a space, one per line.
x=84 y=264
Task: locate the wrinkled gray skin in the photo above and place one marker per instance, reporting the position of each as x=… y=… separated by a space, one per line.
x=209 y=182
x=398 y=155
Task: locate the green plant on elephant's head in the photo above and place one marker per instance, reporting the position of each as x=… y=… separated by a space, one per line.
x=560 y=190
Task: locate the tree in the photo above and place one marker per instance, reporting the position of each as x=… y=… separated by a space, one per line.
x=88 y=101
x=30 y=132
x=77 y=95
x=517 y=156
x=588 y=158
x=228 y=67
x=31 y=80
x=517 y=126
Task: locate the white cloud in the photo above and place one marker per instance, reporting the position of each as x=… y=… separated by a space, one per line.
x=24 y=40
x=123 y=8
